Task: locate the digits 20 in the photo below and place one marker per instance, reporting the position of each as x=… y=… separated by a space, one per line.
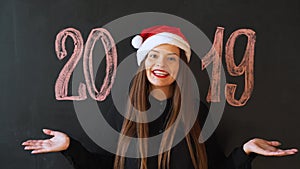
x=214 y=56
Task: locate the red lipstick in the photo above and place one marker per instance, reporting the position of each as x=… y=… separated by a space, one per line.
x=160 y=73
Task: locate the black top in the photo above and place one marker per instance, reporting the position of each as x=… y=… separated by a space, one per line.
x=80 y=158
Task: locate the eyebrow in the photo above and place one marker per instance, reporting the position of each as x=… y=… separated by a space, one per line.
x=173 y=53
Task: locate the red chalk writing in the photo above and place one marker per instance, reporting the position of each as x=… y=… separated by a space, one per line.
x=62 y=82
x=214 y=56
x=245 y=67
x=111 y=63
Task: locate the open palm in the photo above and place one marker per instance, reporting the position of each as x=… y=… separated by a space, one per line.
x=267 y=148
x=59 y=142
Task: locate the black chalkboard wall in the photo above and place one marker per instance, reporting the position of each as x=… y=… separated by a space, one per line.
x=29 y=68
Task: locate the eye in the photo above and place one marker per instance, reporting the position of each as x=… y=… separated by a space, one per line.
x=172 y=58
x=153 y=55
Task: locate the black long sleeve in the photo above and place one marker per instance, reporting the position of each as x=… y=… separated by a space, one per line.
x=237 y=159
x=80 y=158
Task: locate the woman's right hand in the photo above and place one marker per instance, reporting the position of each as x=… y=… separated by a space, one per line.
x=59 y=142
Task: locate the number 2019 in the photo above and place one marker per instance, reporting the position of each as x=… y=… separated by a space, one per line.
x=214 y=57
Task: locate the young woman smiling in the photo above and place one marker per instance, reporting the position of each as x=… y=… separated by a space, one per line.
x=162 y=54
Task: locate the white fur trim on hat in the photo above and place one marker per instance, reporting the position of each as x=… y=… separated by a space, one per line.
x=137 y=41
x=162 y=38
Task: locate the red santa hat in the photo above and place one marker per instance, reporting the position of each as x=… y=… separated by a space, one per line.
x=157 y=35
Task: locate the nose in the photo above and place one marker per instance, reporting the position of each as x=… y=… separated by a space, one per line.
x=161 y=61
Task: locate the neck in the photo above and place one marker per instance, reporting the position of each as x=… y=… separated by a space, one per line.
x=161 y=93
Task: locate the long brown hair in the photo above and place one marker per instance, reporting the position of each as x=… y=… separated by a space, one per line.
x=138 y=102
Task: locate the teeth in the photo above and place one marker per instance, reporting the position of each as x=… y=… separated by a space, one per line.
x=160 y=73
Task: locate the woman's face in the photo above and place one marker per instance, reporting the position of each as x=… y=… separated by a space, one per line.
x=162 y=65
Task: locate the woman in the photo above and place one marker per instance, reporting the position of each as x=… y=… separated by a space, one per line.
x=162 y=76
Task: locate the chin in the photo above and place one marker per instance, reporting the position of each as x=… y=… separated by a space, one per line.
x=160 y=84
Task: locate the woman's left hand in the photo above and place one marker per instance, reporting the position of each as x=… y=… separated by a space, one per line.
x=266 y=148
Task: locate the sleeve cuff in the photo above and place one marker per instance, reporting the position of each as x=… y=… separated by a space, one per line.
x=240 y=154
x=72 y=147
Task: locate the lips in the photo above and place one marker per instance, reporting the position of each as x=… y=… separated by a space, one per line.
x=160 y=73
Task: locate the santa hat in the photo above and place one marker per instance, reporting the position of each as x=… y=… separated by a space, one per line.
x=157 y=35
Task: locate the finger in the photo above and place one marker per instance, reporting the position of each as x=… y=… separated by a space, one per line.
x=39 y=151
x=274 y=143
x=280 y=152
x=268 y=147
x=32 y=147
x=33 y=142
x=49 y=132
x=293 y=150
x=266 y=150
x=272 y=153
x=28 y=142
x=284 y=153
x=25 y=143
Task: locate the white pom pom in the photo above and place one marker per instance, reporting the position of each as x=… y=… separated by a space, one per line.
x=137 y=41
